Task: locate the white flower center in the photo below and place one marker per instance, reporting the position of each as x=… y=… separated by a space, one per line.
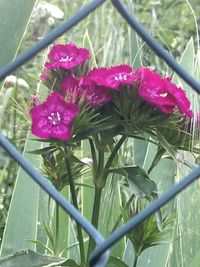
x=65 y=59
x=164 y=95
x=120 y=77
x=54 y=117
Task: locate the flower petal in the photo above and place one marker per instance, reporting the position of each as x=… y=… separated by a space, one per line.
x=53 y=118
x=66 y=56
x=114 y=77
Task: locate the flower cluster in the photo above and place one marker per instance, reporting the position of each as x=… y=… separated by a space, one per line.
x=162 y=93
x=66 y=73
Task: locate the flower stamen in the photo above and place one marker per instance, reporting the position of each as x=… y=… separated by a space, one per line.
x=54 y=118
x=66 y=59
x=120 y=77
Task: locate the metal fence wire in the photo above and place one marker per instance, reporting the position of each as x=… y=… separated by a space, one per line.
x=99 y=256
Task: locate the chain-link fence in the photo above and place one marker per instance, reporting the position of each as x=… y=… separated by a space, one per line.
x=100 y=255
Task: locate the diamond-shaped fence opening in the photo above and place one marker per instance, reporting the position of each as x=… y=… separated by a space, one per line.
x=100 y=255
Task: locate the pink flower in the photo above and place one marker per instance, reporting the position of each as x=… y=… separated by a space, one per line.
x=94 y=94
x=161 y=92
x=85 y=89
x=179 y=95
x=152 y=89
x=113 y=77
x=53 y=118
x=66 y=56
x=70 y=85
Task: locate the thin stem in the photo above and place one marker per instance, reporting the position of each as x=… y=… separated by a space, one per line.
x=93 y=152
x=100 y=166
x=95 y=216
x=114 y=152
x=99 y=179
x=135 y=261
x=75 y=203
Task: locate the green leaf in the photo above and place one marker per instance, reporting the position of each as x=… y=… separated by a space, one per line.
x=22 y=216
x=195 y=262
x=39 y=243
x=87 y=193
x=42 y=150
x=139 y=182
x=160 y=152
x=88 y=44
x=63 y=229
x=169 y=149
x=187 y=241
x=139 y=151
x=134 y=50
x=70 y=263
x=13 y=24
x=28 y=207
x=128 y=255
x=186 y=244
x=29 y=258
x=163 y=175
x=187 y=61
x=117 y=262
x=110 y=212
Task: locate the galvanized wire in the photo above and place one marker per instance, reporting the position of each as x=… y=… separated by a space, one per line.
x=40 y=45
x=100 y=256
x=155 y=46
x=56 y=195
x=144 y=214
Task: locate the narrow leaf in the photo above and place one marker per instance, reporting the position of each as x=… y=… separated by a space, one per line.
x=28 y=258
x=117 y=262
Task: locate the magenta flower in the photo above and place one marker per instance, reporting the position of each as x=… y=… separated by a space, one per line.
x=53 y=118
x=113 y=77
x=152 y=89
x=66 y=56
x=161 y=92
x=94 y=94
x=70 y=86
x=85 y=89
x=179 y=95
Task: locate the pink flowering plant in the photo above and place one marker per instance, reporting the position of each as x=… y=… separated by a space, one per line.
x=104 y=106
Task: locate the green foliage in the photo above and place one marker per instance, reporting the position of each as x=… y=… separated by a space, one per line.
x=30 y=258
x=149 y=170
x=25 y=196
x=162 y=20
x=195 y=261
x=13 y=26
x=13 y=22
x=147 y=234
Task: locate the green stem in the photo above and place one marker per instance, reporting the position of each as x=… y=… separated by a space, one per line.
x=100 y=165
x=99 y=180
x=75 y=203
x=93 y=152
x=114 y=152
x=95 y=216
x=135 y=261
